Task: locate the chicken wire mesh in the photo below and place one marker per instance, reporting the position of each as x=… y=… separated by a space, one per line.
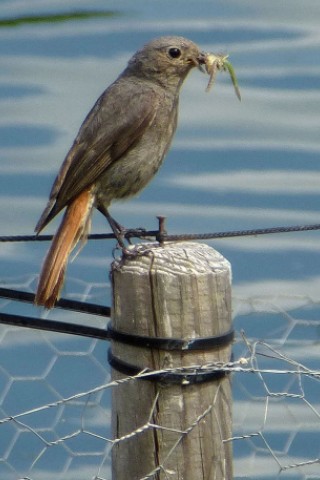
x=56 y=389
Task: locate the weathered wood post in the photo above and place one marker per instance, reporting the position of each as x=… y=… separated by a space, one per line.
x=172 y=428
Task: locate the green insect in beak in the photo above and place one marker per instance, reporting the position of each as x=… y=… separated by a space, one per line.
x=215 y=63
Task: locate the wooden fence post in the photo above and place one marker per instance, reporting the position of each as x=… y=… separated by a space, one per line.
x=168 y=430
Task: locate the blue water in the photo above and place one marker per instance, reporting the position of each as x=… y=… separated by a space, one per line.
x=232 y=166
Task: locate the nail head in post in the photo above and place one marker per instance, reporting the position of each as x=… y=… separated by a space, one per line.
x=162 y=231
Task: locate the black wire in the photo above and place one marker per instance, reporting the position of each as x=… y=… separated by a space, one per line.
x=93 y=236
x=187 y=345
x=54 y=326
x=178 y=344
x=241 y=233
x=140 y=233
x=74 y=305
x=184 y=378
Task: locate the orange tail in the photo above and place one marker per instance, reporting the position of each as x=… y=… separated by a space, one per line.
x=74 y=226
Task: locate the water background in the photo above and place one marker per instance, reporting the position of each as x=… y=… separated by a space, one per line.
x=232 y=165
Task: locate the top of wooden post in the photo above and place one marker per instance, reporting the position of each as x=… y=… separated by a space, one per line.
x=180 y=290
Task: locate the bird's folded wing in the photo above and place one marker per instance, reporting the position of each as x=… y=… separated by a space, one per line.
x=117 y=120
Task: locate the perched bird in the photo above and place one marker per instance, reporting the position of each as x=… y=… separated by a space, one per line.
x=119 y=148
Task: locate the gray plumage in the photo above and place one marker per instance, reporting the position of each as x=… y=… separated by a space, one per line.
x=125 y=136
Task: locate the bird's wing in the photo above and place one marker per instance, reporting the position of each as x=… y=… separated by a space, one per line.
x=117 y=120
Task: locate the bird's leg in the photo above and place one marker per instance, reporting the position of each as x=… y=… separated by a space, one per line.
x=118 y=230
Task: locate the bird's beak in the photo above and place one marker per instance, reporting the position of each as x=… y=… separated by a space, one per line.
x=201 y=60
x=198 y=61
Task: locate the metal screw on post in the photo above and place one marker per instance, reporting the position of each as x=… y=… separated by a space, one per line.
x=162 y=230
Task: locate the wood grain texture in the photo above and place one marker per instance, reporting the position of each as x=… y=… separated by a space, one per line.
x=180 y=290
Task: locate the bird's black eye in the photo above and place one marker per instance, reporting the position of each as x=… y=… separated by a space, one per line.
x=174 y=52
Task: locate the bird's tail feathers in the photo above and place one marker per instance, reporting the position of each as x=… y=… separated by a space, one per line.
x=75 y=225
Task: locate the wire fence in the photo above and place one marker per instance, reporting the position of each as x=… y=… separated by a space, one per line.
x=55 y=417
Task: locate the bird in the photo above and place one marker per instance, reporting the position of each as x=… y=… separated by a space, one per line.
x=119 y=148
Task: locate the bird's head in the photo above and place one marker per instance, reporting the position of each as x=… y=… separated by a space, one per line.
x=166 y=60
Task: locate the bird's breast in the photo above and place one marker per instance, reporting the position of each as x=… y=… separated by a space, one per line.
x=133 y=170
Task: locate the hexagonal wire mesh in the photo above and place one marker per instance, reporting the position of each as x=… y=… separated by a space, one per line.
x=55 y=394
